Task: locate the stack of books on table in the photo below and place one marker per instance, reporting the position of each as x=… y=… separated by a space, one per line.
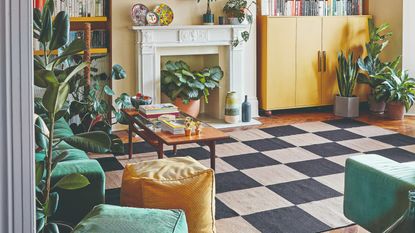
x=156 y=110
x=173 y=127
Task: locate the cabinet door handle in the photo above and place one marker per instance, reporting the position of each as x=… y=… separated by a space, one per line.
x=324 y=61
x=319 y=61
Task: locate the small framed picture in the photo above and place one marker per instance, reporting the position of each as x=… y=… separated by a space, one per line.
x=152 y=18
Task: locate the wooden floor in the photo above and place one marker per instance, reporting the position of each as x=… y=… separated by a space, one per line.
x=406 y=126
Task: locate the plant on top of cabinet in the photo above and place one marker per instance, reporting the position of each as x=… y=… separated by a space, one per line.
x=237 y=12
x=399 y=92
x=186 y=87
x=374 y=71
x=346 y=104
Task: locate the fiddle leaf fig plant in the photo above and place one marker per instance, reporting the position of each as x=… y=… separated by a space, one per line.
x=52 y=74
x=178 y=81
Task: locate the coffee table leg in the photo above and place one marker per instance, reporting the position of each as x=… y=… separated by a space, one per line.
x=174 y=149
x=160 y=150
x=212 y=148
x=130 y=140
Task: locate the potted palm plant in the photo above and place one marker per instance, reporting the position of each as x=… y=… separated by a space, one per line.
x=346 y=104
x=185 y=87
x=399 y=91
x=374 y=71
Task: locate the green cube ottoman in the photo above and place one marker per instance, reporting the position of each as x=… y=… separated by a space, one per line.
x=376 y=190
x=112 y=219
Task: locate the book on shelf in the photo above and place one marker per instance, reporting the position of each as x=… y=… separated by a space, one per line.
x=311 y=7
x=99 y=39
x=81 y=8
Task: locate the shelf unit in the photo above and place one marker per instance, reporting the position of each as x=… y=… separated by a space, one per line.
x=93 y=51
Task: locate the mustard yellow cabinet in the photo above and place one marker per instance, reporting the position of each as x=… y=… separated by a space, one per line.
x=298 y=58
x=277 y=64
x=308 y=81
x=334 y=32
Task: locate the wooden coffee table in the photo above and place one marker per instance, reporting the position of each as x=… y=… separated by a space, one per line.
x=149 y=130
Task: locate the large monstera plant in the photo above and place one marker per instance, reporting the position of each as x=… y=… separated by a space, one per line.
x=52 y=73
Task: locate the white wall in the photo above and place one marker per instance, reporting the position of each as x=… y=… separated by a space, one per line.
x=409 y=39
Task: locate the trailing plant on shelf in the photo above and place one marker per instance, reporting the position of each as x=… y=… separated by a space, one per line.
x=346 y=104
x=399 y=92
x=181 y=84
x=373 y=70
x=52 y=74
x=237 y=12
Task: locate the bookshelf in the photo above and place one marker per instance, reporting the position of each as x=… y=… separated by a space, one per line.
x=55 y=52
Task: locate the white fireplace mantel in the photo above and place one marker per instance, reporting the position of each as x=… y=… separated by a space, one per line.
x=152 y=42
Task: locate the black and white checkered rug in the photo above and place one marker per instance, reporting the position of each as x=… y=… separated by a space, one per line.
x=280 y=179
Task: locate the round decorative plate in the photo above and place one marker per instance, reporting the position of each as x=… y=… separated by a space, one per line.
x=152 y=18
x=138 y=14
x=165 y=14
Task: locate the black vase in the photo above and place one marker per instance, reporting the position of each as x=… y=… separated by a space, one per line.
x=246 y=110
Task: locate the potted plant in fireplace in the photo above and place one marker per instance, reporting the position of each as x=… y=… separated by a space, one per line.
x=399 y=91
x=186 y=87
x=374 y=71
x=346 y=104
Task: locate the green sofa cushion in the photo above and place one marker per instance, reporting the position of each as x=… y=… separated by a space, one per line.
x=376 y=190
x=111 y=219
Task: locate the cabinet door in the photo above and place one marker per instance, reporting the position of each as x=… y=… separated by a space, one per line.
x=335 y=39
x=308 y=82
x=359 y=36
x=280 y=83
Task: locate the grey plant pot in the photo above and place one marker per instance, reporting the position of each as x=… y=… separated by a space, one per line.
x=346 y=106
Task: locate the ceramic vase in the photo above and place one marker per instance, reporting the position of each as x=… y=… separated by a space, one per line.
x=246 y=110
x=232 y=110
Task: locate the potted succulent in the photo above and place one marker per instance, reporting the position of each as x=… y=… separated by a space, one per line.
x=185 y=87
x=399 y=92
x=238 y=12
x=346 y=104
x=373 y=70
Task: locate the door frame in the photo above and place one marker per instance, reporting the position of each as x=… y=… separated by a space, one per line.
x=17 y=205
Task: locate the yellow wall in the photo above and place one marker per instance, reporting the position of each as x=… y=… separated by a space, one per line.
x=389 y=11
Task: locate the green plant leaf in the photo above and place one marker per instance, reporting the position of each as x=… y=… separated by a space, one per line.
x=52 y=228
x=59 y=158
x=108 y=90
x=39 y=170
x=40 y=224
x=55 y=97
x=60 y=35
x=117 y=146
x=72 y=182
x=75 y=47
x=46 y=32
x=118 y=72
x=37 y=22
x=49 y=5
x=97 y=142
x=52 y=204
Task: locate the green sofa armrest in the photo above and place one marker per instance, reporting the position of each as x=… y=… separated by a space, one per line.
x=376 y=190
x=75 y=204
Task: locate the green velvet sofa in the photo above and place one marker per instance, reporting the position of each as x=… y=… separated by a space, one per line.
x=75 y=204
x=376 y=190
x=113 y=219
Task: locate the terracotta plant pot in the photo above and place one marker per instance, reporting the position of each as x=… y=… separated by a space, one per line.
x=376 y=107
x=395 y=110
x=192 y=108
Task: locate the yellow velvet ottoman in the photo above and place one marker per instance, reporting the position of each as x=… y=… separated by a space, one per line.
x=174 y=183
